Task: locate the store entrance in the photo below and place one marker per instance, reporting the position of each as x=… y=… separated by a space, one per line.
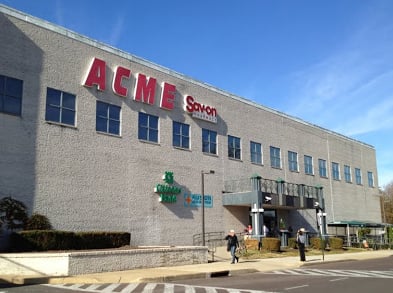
x=270 y=220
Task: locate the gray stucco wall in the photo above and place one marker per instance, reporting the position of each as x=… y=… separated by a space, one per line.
x=84 y=180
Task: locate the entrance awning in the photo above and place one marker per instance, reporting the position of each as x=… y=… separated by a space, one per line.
x=356 y=223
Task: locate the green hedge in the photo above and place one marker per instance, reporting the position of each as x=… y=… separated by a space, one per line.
x=44 y=240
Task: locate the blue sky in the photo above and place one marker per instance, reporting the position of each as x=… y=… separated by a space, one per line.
x=327 y=62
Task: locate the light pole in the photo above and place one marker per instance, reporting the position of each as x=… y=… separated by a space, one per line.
x=203 y=202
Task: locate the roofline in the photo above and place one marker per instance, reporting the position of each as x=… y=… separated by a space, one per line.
x=110 y=49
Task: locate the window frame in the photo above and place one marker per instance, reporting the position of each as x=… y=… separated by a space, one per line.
x=183 y=135
x=370 y=179
x=11 y=90
x=293 y=161
x=308 y=165
x=275 y=157
x=109 y=118
x=234 y=147
x=358 y=176
x=209 y=145
x=335 y=171
x=322 y=165
x=256 y=153
x=150 y=130
x=347 y=174
x=61 y=108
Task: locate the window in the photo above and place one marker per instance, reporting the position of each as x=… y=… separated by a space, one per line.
x=108 y=118
x=308 y=165
x=358 y=176
x=292 y=161
x=181 y=135
x=148 y=127
x=322 y=168
x=11 y=90
x=209 y=141
x=347 y=174
x=370 y=178
x=234 y=150
x=256 y=152
x=335 y=171
x=275 y=157
x=60 y=107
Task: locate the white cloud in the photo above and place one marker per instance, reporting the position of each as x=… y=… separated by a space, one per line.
x=351 y=91
x=59 y=12
x=376 y=117
x=116 y=30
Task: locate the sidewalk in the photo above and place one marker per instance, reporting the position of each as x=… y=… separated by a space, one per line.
x=220 y=267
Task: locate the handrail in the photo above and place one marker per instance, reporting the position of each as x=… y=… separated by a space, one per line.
x=271 y=186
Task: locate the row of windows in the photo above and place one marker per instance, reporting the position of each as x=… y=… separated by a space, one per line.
x=61 y=108
x=322 y=168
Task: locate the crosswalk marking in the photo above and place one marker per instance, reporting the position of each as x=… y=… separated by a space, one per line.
x=189 y=289
x=129 y=288
x=110 y=288
x=148 y=288
x=336 y=273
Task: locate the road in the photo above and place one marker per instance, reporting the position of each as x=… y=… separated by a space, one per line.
x=374 y=275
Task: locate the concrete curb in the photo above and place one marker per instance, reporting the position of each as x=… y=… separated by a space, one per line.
x=203 y=271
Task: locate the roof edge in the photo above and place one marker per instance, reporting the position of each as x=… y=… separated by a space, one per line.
x=110 y=49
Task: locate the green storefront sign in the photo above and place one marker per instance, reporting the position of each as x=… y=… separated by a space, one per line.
x=167 y=190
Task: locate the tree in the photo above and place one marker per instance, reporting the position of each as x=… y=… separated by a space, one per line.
x=38 y=222
x=387 y=203
x=13 y=213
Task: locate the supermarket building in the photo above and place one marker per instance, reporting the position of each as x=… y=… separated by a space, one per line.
x=98 y=139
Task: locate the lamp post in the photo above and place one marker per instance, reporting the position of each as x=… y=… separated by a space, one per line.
x=203 y=202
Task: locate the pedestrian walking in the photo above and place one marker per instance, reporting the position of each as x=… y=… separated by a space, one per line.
x=232 y=244
x=301 y=243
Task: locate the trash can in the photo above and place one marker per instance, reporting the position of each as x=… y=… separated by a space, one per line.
x=284 y=234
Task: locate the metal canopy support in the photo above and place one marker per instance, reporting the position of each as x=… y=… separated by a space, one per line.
x=256 y=207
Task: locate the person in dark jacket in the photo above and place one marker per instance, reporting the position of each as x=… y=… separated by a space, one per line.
x=233 y=243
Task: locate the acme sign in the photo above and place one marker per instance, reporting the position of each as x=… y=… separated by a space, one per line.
x=144 y=89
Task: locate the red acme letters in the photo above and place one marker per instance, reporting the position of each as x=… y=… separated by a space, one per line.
x=145 y=87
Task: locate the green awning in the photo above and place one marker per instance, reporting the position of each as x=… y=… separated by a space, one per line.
x=356 y=223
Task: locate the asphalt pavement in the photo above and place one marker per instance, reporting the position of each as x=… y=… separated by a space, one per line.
x=221 y=266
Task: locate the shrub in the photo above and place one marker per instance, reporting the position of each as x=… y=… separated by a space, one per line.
x=271 y=244
x=292 y=243
x=363 y=232
x=13 y=213
x=316 y=242
x=252 y=244
x=336 y=243
x=38 y=222
x=43 y=240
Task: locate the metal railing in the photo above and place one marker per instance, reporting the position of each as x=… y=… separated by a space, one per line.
x=212 y=241
x=271 y=187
